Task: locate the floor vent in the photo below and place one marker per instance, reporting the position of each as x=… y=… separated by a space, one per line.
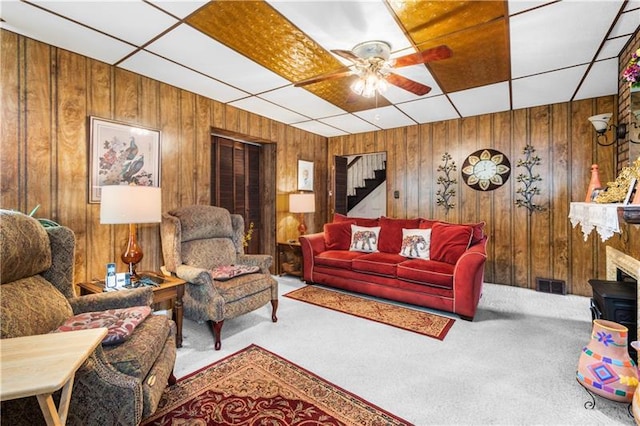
x=548 y=285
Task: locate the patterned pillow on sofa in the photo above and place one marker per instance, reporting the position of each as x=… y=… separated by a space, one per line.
x=416 y=243
x=224 y=273
x=119 y=322
x=364 y=238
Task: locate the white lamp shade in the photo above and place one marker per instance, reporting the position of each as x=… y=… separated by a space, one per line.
x=600 y=122
x=130 y=204
x=302 y=203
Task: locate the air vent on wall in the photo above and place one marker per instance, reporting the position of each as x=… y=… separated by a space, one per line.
x=549 y=285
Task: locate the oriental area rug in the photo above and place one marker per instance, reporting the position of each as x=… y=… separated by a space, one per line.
x=257 y=387
x=420 y=322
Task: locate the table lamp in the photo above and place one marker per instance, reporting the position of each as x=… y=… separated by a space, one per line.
x=301 y=204
x=130 y=204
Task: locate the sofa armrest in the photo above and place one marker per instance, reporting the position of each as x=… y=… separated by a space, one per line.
x=112 y=300
x=263 y=261
x=194 y=275
x=311 y=245
x=468 y=277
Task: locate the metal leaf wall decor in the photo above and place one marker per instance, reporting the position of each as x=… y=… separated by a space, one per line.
x=528 y=179
x=444 y=196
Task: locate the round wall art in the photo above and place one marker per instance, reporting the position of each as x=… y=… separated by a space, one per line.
x=486 y=169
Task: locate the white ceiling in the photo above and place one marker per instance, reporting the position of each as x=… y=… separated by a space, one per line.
x=559 y=51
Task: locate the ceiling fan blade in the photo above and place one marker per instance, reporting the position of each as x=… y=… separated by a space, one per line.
x=329 y=76
x=434 y=54
x=347 y=54
x=408 y=85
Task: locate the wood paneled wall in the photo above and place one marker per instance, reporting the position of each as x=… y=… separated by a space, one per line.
x=47 y=95
x=521 y=246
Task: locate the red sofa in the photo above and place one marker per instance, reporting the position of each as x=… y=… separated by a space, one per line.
x=449 y=280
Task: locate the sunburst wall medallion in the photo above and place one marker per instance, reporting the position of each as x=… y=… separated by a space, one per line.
x=486 y=169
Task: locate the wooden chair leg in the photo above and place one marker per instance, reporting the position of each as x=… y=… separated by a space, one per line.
x=172 y=379
x=216 y=327
x=274 y=308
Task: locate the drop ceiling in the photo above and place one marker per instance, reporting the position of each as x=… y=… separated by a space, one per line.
x=249 y=54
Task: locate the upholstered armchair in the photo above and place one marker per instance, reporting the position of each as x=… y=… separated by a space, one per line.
x=199 y=240
x=118 y=384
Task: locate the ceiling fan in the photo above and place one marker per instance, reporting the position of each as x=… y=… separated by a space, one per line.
x=374 y=68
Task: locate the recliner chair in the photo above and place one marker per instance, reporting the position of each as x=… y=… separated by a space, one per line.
x=197 y=240
x=118 y=384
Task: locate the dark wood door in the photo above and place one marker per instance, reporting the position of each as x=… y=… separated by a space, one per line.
x=340 y=185
x=235 y=183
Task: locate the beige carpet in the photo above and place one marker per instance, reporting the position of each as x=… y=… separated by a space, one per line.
x=420 y=322
x=256 y=387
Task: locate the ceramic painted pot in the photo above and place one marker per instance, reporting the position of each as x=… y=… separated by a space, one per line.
x=605 y=367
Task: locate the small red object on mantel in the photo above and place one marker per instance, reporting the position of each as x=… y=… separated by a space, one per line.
x=594 y=184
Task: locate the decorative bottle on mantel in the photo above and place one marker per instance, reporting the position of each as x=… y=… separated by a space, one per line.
x=594 y=184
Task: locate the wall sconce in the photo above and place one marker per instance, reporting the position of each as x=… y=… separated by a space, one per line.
x=601 y=124
x=125 y=204
x=301 y=204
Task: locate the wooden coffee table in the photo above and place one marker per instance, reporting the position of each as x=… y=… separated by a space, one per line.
x=171 y=288
x=40 y=365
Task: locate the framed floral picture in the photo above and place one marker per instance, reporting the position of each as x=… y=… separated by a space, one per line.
x=305 y=175
x=122 y=154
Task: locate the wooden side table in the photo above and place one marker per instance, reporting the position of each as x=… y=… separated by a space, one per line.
x=171 y=288
x=41 y=364
x=290 y=258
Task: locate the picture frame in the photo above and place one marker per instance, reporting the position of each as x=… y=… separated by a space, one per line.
x=305 y=175
x=121 y=154
x=630 y=191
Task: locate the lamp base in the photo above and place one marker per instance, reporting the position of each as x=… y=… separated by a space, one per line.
x=302 y=227
x=132 y=254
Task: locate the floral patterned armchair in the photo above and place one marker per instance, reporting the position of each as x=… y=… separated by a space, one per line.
x=197 y=241
x=118 y=384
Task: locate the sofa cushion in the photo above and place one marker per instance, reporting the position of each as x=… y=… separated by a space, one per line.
x=377 y=263
x=364 y=238
x=136 y=355
x=337 y=235
x=449 y=242
x=120 y=323
x=360 y=221
x=391 y=233
x=431 y=272
x=337 y=258
x=416 y=243
x=478 y=228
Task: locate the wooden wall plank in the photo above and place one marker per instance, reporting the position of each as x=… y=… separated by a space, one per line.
x=11 y=142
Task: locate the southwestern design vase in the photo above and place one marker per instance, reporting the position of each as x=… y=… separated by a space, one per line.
x=605 y=367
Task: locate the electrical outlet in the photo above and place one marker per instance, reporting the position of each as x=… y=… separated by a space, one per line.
x=396 y=194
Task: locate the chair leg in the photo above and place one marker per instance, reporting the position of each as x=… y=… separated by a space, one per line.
x=216 y=327
x=172 y=379
x=274 y=308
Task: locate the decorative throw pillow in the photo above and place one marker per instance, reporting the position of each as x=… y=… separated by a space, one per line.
x=364 y=238
x=224 y=273
x=391 y=233
x=119 y=322
x=449 y=242
x=337 y=236
x=416 y=243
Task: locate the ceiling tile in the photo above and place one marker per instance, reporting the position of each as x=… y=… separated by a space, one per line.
x=547 y=88
x=386 y=118
x=612 y=48
x=547 y=38
x=132 y=21
x=517 y=6
x=182 y=8
x=48 y=28
x=482 y=100
x=349 y=123
x=417 y=73
x=600 y=81
x=148 y=64
x=319 y=129
x=304 y=102
x=269 y=110
x=343 y=24
x=627 y=24
x=428 y=110
x=215 y=60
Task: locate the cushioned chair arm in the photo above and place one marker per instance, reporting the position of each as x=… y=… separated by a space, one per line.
x=261 y=260
x=112 y=300
x=311 y=245
x=468 y=279
x=194 y=275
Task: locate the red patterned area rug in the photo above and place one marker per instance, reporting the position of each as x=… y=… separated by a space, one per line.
x=256 y=387
x=420 y=322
